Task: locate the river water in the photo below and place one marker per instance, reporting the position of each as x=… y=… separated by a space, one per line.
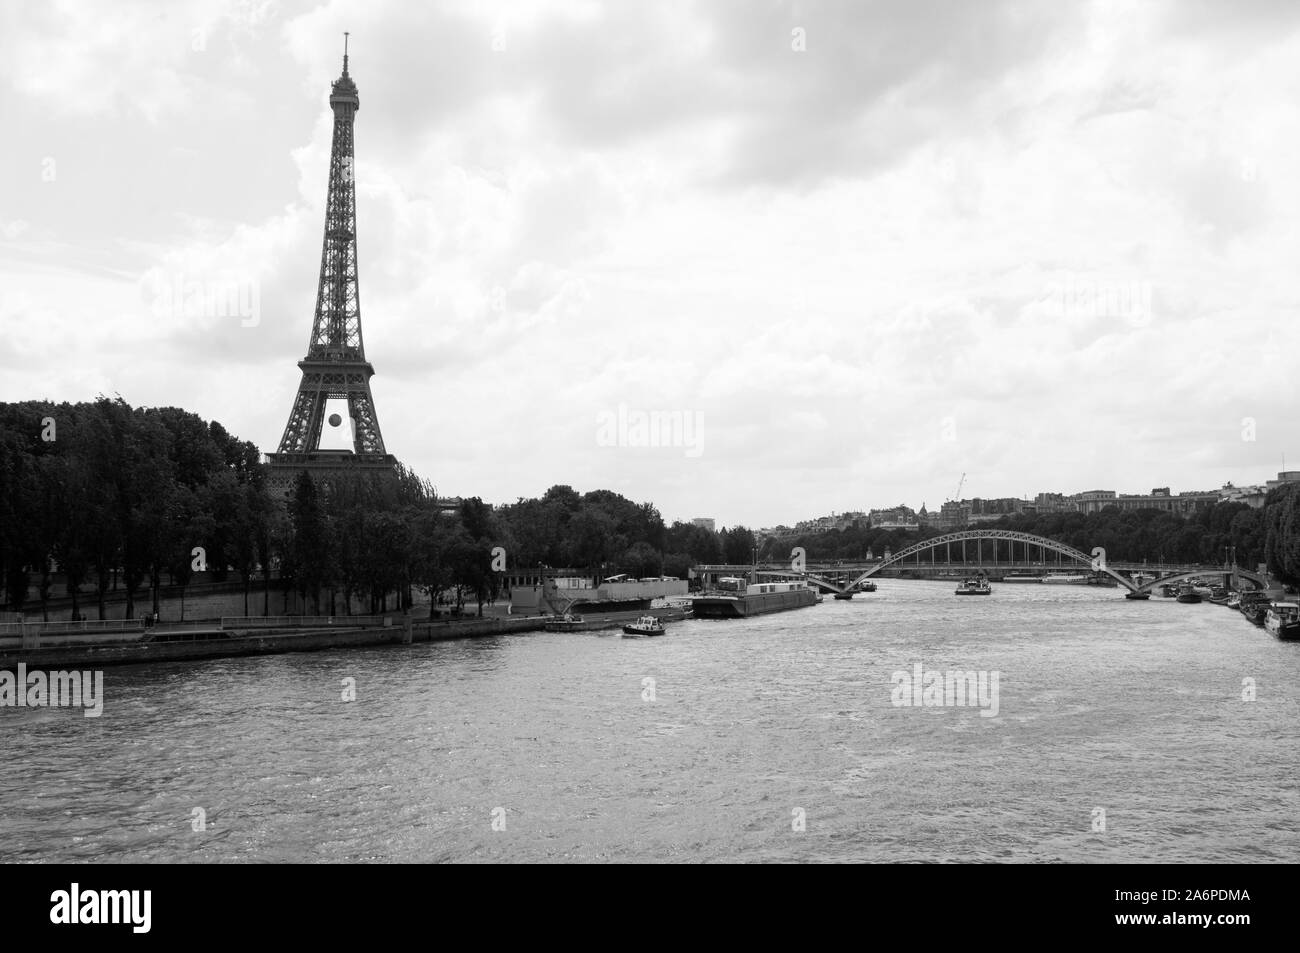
x=769 y=739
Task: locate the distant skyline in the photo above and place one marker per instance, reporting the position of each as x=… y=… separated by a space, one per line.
x=1029 y=498
x=754 y=263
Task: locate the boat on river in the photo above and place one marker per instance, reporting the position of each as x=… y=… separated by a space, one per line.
x=1283 y=620
x=1188 y=594
x=732 y=598
x=1254 y=606
x=643 y=627
x=975 y=586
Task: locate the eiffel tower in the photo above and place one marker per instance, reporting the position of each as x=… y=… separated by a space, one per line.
x=335 y=367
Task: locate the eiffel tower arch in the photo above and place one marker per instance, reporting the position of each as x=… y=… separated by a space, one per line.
x=335 y=367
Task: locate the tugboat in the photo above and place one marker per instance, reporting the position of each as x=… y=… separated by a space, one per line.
x=843 y=595
x=974 y=587
x=1188 y=594
x=1137 y=595
x=867 y=585
x=1283 y=620
x=645 y=626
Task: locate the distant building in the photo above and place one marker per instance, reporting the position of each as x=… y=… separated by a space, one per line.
x=704 y=522
x=953 y=513
x=898 y=517
x=1160 y=498
x=1250 y=495
x=1093 y=501
x=824 y=524
x=1052 y=503
x=990 y=511
x=1286 y=476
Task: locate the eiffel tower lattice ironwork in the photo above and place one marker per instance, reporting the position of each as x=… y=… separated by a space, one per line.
x=335 y=367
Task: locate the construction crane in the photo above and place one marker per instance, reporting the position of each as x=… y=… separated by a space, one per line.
x=960 y=483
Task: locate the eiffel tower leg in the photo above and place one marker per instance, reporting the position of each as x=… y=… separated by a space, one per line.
x=302 y=433
x=365 y=423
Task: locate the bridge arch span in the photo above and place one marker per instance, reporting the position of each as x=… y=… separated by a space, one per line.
x=1098 y=564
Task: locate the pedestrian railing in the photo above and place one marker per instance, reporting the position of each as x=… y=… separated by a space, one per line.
x=306 y=621
x=72 y=628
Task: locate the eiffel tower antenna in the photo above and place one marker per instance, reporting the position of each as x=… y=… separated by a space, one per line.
x=335 y=366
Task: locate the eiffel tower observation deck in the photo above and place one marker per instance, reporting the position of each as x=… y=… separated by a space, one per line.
x=335 y=367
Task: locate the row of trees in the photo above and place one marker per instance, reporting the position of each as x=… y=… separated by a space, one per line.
x=105 y=490
x=105 y=494
x=603 y=529
x=1281 y=528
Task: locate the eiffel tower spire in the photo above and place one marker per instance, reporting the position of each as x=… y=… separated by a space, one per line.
x=335 y=366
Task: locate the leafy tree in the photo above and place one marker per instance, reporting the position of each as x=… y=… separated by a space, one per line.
x=310 y=547
x=470 y=552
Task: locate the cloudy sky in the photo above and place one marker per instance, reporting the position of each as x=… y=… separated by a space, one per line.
x=834 y=255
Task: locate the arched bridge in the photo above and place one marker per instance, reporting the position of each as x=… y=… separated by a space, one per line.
x=1096 y=560
x=832 y=577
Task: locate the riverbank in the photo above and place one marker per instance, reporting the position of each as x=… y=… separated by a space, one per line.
x=239 y=637
x=219 y=644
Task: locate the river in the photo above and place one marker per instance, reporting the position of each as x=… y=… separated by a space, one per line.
x=768 y=739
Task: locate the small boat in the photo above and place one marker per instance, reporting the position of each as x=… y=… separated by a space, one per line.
x=974 y=587
x=843 y=595
x=867 y=585
x=1188 y=594
x=1255 y=609
x=645 y=626
x=1137 y=595
x=566 y=623
x=1283 y=620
